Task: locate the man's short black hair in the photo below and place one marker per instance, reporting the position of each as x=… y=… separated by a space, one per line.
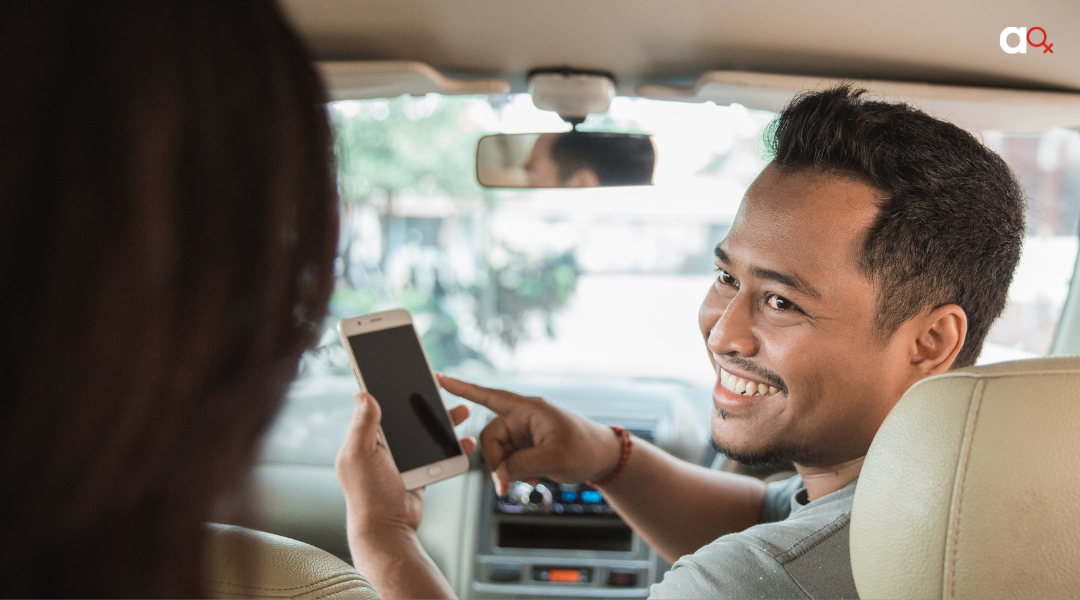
x=616 y=158
x=951 y=218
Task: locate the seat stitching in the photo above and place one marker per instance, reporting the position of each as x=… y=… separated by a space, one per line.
x=312 y=584
x=1000 y=375
x=953 y=531
x=334 y=592
x=320 y=582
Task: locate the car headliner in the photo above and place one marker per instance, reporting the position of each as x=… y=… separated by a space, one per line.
x=677 y=40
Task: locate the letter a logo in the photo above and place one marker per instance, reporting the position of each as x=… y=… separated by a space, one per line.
x=1021 y=37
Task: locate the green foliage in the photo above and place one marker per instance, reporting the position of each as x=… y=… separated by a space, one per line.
x=348 y=302
x=524 y=287
x=443 y=344
x=424 y=145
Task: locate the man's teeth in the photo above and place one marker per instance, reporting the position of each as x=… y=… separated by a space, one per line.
x=745 y=386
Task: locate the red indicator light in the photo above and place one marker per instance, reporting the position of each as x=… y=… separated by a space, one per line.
x=564 y=575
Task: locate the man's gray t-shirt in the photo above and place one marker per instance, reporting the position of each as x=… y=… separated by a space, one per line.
x=798 y=551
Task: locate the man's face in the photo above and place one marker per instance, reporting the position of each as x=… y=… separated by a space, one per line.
x=540 y=170
x=790 y=309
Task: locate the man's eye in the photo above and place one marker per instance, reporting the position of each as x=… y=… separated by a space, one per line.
x=727 y=279
x=779 y=302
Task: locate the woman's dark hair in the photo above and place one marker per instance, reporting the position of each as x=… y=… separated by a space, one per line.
x=168 y=225
x=951 y=218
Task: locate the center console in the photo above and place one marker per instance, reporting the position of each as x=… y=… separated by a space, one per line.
x=552 y=540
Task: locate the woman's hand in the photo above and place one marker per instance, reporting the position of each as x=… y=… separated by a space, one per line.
x=376 y=500
x=381 y=516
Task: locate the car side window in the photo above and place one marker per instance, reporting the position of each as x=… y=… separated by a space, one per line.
x=1048 y=167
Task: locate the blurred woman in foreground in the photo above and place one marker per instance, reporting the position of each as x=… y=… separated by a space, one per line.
x=168 y=224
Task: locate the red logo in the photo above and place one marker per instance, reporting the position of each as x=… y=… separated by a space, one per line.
x=1023 y=36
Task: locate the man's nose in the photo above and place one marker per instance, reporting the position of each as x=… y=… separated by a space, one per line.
x=733 y=332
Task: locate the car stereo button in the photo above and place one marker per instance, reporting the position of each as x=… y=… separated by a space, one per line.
x=622 y=577
x=505 y=572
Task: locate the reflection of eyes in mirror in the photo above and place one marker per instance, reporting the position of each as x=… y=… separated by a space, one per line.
x=565 y=160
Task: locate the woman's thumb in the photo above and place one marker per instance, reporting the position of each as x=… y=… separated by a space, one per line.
x=367 y=415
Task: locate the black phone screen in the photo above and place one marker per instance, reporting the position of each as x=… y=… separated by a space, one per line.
x=417 y=428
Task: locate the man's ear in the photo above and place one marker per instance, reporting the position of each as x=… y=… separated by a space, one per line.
x=941 y=335
x=584 y=177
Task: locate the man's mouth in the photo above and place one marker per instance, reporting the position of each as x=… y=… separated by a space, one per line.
x=746 y=387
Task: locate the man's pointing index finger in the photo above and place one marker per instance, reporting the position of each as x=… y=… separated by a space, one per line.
x=499 y=401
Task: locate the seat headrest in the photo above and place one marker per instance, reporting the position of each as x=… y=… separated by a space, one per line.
x=244 y=563
x=969 y=488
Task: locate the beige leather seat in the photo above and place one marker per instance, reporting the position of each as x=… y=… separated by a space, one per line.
x=252 y=564
x=970 y=489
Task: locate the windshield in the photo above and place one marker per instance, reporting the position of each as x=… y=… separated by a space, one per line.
x=602 y=281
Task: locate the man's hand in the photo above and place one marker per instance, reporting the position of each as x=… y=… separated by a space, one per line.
x=530 y=438
x=375 y=496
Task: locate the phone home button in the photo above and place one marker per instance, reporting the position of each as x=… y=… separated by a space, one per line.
x=434 y=471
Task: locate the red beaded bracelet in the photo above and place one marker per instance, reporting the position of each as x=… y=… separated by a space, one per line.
x=627 y=445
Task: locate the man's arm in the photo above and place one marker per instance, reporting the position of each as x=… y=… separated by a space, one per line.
x=675 y=506
x=678 y=507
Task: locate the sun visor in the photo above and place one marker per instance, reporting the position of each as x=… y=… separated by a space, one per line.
x=363 y=79
x=974 y=108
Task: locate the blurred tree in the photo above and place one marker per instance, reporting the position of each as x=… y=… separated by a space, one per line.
x=426 y=147
x=525 y=287
x=423 y=146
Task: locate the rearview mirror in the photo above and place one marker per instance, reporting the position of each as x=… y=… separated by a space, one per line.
x=565 y=160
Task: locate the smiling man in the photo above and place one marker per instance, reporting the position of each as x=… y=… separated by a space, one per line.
x=876 y=249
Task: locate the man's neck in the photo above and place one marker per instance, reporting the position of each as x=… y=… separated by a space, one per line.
x=821 y=481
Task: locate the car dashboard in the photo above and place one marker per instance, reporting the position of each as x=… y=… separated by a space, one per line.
x=548 y=540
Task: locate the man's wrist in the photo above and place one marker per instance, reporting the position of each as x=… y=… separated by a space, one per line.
x=626 y=442
x=611 y=449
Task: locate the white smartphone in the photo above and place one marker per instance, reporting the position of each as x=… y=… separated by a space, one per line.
x=390 y=363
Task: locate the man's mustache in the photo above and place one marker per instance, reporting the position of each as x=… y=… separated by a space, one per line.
x=758 y=371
